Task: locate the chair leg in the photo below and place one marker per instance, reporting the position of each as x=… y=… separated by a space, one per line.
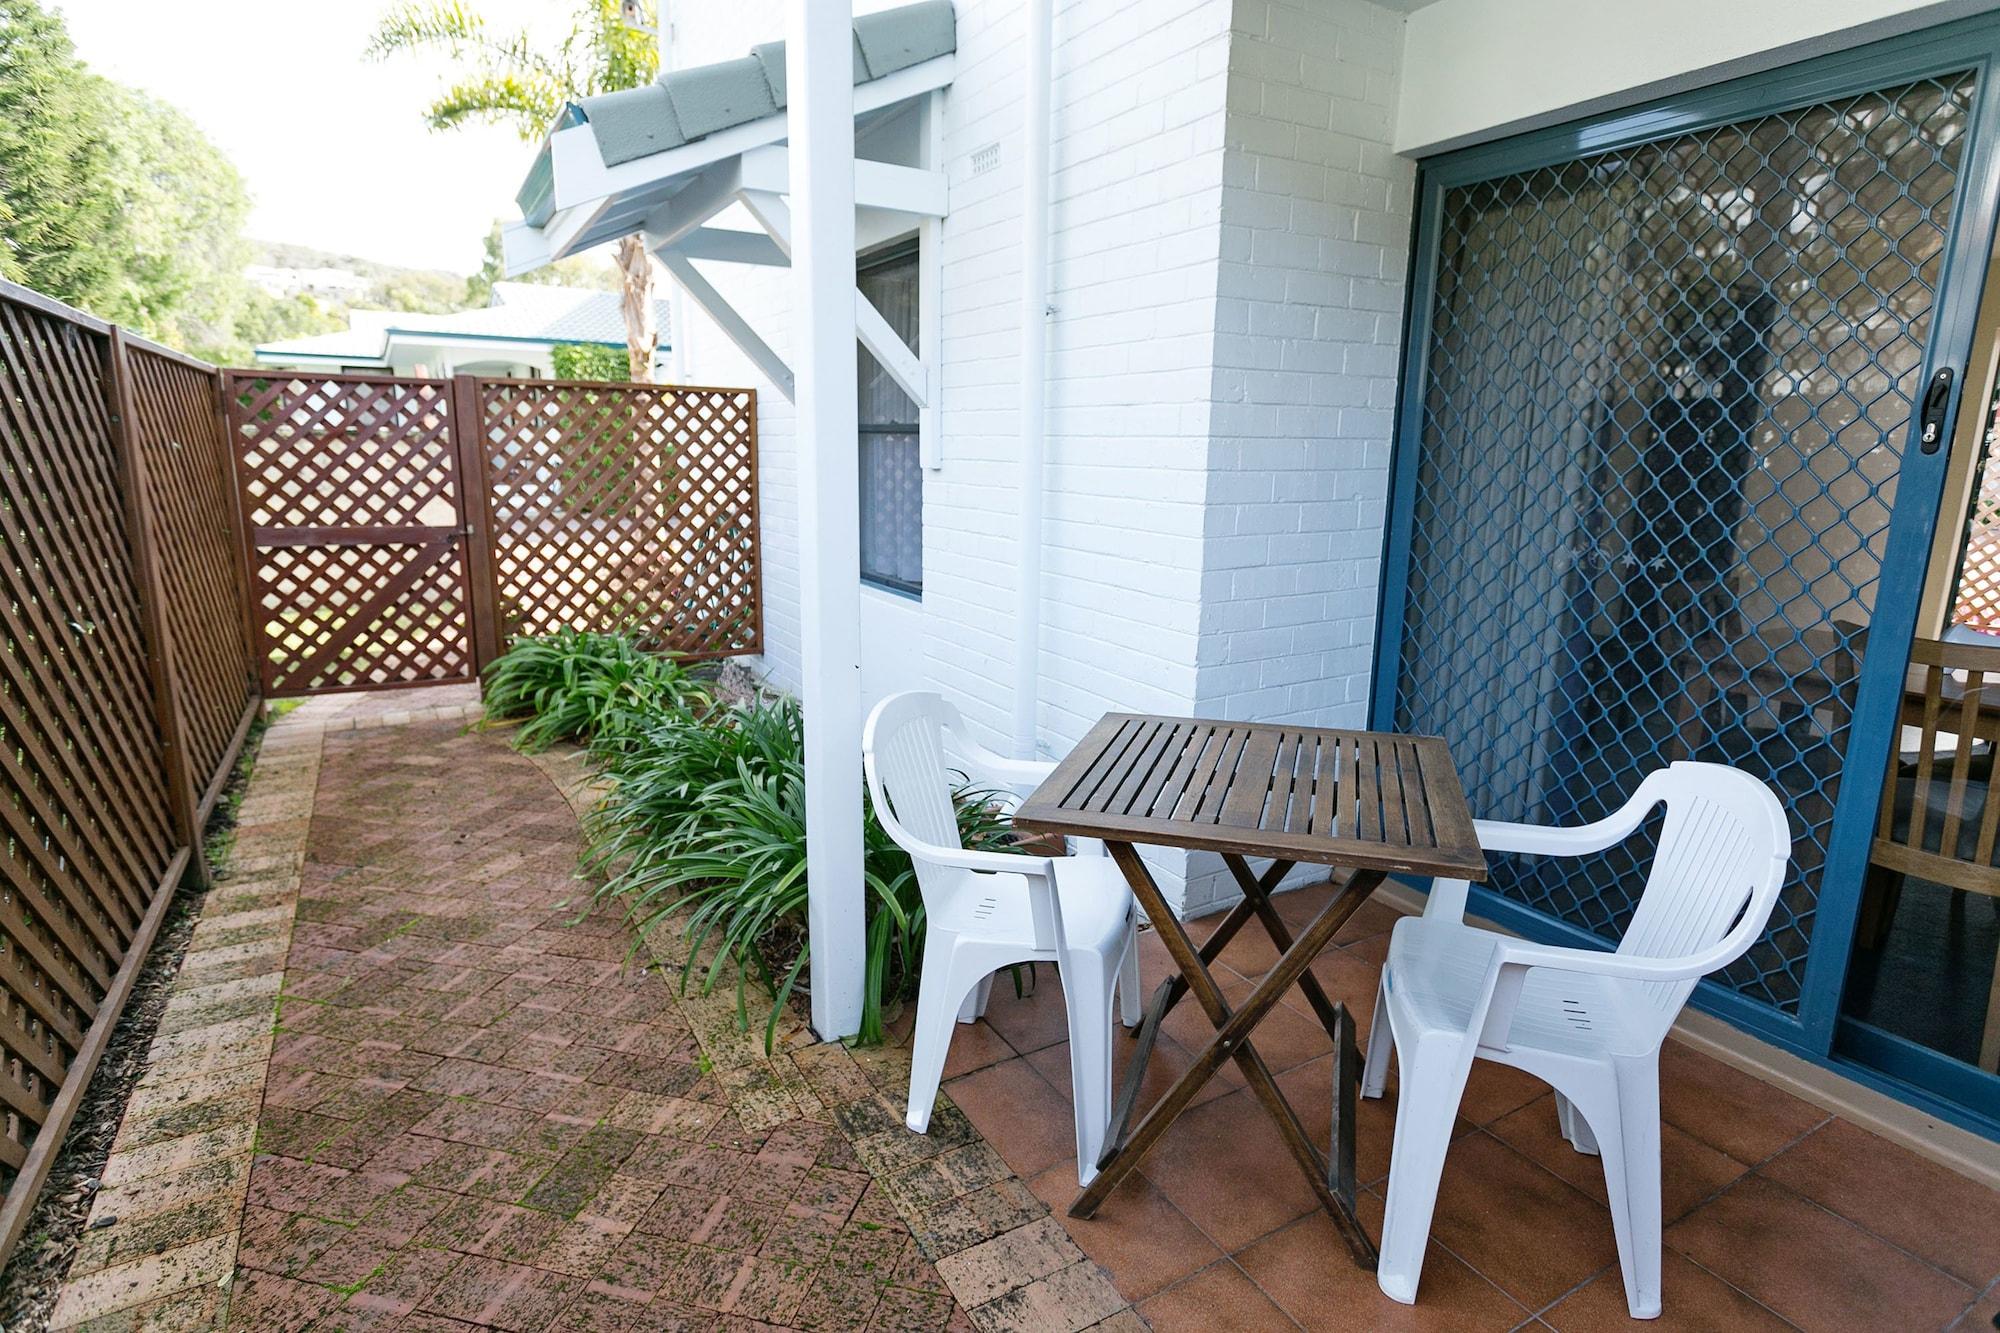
x=1089 y=982
x=1434 y=1073
x=1381 y=1040
x=939 y=994
x=1629 y=1134
x=974 y=1007
x=1131 y=1000
x=1574 y=1127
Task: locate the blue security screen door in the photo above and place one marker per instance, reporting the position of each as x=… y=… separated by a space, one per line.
x=1655 y=478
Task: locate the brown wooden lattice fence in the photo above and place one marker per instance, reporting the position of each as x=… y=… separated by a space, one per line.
x=401 y=530
x=126 y=688
x=173 y=537
x=624 y=505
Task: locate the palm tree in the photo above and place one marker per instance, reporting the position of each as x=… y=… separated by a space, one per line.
x=506 y=80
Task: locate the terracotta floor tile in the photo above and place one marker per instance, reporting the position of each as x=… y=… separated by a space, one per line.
x=1019 y=1113
x=1350 y=980
x=1169 y=1058
x=1374 y=949
x=1307 y=1270
x=1727 y=1108
x=1898 y=1195
x=1288 y=1036
x=1033 y=1020
x=1225 y=1167
x=1309 y=1089
x=975 y=1046
x=1984 y=1314
x=1493 y=1090
x=1812 y=1267
x=1693 y=1299
x=1690 y=1170
x=1218 y=1299
x=1142 y=1240
x=1522 y=1228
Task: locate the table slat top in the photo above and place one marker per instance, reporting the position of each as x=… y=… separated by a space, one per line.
x=1368 y=800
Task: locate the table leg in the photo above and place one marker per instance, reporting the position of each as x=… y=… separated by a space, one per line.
x=1257 y=892
x=1232 y=1041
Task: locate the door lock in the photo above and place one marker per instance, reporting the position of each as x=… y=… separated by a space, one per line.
x=1936 y=408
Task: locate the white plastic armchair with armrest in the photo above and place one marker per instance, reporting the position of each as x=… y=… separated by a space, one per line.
x=985 y=911
x=1587 y=1022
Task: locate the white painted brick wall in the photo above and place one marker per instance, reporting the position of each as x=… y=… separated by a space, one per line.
x=1315 y=245
x=1227 y=266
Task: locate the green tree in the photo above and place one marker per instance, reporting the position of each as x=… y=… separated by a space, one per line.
x=179 y=210
x=56 y=203
x=587 y=361
x=421 y=291
x=113 y=201
x=506 y=79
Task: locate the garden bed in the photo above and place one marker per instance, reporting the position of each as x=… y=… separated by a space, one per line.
x=703 y=816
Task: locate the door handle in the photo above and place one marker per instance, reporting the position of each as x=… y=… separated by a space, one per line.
x=1936 y=408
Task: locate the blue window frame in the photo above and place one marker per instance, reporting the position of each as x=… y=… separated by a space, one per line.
x=1656 y=488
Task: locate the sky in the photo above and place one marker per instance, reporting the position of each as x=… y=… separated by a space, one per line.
x=332 y=146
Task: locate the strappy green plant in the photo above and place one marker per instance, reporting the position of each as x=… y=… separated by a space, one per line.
x=704 y=829
x=584 y=686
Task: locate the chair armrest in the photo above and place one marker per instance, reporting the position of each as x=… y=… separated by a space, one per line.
x=996 y=766
x=1014 y=770
x=1538 y=840
x=1600 y=962
x=989 y=863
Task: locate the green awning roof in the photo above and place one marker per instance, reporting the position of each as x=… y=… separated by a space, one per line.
x=690 y=104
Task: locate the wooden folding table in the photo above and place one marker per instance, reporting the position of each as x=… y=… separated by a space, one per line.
x=1372 y=804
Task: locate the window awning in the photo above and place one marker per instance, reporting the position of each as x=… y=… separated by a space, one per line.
x=665 y=160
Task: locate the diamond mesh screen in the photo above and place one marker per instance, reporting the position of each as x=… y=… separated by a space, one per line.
x=1667 y=391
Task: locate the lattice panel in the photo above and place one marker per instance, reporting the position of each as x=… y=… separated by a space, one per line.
x=1667 y=393
x=353 y=616
x=621 y=506
x=342 y=452
x=1977 y=601
x=191 y=495
x=82 y=792
x=352 y=494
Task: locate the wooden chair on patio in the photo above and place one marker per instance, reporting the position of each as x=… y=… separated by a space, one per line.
x=1938 y=821
x=1789 y=674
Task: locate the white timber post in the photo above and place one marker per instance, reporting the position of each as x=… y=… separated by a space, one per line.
x=819 y=72
x=1034 y=373
x=676 y=290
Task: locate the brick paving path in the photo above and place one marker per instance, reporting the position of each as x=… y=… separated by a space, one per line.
x=483 y=1109
x=484 y=1104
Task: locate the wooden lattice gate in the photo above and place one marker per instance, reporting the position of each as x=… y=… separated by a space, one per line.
x=354 y=501
x=400 y=530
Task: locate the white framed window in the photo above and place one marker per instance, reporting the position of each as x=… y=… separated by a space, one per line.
x=892 y=475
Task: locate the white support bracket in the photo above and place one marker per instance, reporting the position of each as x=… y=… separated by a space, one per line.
x=733 y=325
x=912 y=374
x=919 y=191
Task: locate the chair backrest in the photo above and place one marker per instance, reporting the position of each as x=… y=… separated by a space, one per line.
x=903 y=745
x=1937 y=819
x=1721 y=862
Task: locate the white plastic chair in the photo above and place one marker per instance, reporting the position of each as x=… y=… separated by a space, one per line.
x=1587 y=1022
x=985 y=911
